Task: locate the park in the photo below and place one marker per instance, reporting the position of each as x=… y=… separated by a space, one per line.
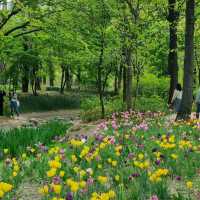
x=99 y=100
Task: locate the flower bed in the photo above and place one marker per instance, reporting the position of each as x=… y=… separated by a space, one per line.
x=131 y=156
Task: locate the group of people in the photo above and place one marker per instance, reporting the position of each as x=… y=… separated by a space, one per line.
x=177 y=98
x=14 y=103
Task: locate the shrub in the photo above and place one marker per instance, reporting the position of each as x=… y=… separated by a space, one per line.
x=153 y=103
x=150 y=85
x=30 y=103
x=53 y=88
x=6 y=107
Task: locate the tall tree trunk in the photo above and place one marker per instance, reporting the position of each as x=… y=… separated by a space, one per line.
x=51 y=73
x=116 y=89
x=120 y=77
x=68 y=78
x=63 y=80
x=38 y=83
x=25 y=71
x=99 y=78
x=25 y=84
x=79 y=77
x=172 y=57
x=129 y=81
x=124 y=83
x=136 y=89
x=186 y=104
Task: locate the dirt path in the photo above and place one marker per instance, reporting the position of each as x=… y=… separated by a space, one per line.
x=39 y=117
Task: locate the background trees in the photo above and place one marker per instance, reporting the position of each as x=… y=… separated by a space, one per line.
x=96 y=45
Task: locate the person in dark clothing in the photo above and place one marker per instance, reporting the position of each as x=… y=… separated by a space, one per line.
x=2 y=94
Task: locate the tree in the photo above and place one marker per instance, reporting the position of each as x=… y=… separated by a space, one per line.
x=186 y=104
x=173 y=17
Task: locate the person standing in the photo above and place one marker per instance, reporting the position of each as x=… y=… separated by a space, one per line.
x=177 y=97
x=2 y=94
x=197 y=101
x=14 y=105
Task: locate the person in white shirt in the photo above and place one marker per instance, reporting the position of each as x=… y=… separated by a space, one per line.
x=177 y=98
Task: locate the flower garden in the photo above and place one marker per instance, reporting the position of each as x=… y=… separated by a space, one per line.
x=131 y=156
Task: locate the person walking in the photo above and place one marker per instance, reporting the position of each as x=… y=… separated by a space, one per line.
x=197 y=101
x=177 y=97
x=14 y=105
x=2 y=94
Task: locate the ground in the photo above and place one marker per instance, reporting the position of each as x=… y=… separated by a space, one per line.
x=39 y=117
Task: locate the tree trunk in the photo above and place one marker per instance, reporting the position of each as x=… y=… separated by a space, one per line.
x=186 y=104
x=129 y=87
x=99 y=79
x=120 y=77
x=124 y=83
x=136 y=90
x=79 y=78
x=116 y=89
x=51 y=74
x=172 y=57
x=63 y=80
x=68 y=78
x=129 y=80
x=25 y=84
x=38 y=83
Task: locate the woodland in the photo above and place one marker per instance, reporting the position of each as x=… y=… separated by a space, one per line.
x=117 y=63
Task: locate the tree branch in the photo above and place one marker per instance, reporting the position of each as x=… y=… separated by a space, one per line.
x=16 y=28
x=5 y=20
x=28 y=32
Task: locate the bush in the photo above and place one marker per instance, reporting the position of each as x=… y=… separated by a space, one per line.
x=153 y=103
x=17 y=140
x=53 y=88
x=30 y=103
x=6 y=107
x=151 y=85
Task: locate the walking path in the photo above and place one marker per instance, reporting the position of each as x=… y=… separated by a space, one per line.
x=39 y=117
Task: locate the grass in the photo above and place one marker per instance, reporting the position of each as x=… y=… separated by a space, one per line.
x=17 y=140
